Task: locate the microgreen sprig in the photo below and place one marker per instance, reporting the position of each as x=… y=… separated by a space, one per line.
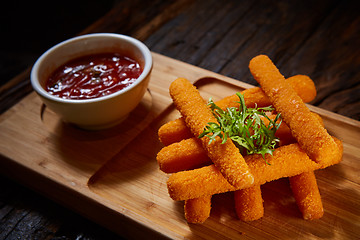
x=244 y=126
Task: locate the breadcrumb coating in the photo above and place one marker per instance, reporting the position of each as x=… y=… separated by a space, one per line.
x=249 y=203
x=197 y=114
x=186 y=152
x=185 y=155
x=286 y=161
x=189 y=153
x=307 y=195
x=197 y=210
x=308 y=132
x=176 y=130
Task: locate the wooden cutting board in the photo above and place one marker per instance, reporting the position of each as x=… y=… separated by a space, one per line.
x=112 y=176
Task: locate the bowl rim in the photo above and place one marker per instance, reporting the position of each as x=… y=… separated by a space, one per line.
x=148 y=63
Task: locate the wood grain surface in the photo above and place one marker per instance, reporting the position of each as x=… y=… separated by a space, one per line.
x=112 y=176
x=319 y=39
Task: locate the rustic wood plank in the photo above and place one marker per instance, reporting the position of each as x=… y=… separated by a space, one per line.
x=321 y=26
x=234 y=30
x=58 y=222
x=175 y=32
x=25 y=214
x=191 y=35
x=270 y=28
x=136 y=18
x=164 y=15
x=209 y=32
x=279 y=30
x=114 y=172
x=331 y=57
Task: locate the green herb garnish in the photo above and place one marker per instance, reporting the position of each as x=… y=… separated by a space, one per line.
x=244 y=127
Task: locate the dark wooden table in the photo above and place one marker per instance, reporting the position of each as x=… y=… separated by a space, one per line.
x=320 y=39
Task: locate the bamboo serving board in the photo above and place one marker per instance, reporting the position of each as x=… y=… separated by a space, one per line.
x=112 y=176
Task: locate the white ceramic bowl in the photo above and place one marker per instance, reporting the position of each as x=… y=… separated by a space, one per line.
x=96 y=113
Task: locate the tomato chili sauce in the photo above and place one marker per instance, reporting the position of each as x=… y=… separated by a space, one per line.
x=93 y=76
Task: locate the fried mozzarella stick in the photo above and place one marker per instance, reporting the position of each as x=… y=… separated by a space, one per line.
x=308 y=132
x=184 y=155
x=197 y=210
x=307 y=195
x=286 y=161
x=176 y=130
x=189 y=153
x=249 y=203
x=197 y=114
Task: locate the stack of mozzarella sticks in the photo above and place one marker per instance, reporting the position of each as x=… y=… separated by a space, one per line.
x=201 y=168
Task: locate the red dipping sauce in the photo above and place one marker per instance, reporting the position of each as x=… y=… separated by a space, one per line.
x=93 y=76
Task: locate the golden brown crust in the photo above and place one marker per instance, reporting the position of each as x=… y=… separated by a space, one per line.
x=303 y=86
x=307 y=195
x=197 y=114
x=185 y=155
x=197 y=210
x=189 y=153
x=287 y=161
x=249 y=203
x=176 y=130
x=308 y=132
